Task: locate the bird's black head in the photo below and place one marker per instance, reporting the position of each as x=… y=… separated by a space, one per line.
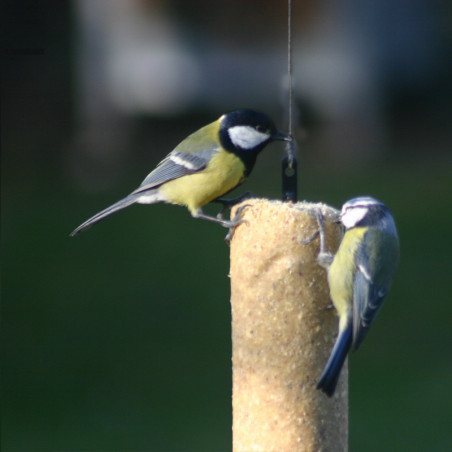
x=246 y=133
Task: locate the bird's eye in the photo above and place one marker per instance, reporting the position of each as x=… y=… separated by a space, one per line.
x=261 y=128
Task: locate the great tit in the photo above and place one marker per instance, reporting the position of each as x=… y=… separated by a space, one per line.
x=359 y=276
x=206 y=165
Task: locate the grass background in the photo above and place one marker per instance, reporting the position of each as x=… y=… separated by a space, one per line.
x=119 y=339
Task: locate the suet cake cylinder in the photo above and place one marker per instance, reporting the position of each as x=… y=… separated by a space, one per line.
x=283 y=329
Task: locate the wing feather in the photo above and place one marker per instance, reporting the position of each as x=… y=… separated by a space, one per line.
x=175 y=165
x=190 y=156
x=375 y=260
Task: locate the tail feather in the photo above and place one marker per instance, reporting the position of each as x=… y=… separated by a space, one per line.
x=330 y=375
x=122 y=204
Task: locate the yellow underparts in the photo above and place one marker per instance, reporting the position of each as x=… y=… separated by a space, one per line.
x=223 y=173
x=342 y=271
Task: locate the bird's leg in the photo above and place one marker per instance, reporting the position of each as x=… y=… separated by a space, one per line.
x=228 y=203
x=324 y=258
x=225 y=223
x=320 y=231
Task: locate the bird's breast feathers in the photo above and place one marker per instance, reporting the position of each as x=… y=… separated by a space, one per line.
x=222 y=174
x=342 y=271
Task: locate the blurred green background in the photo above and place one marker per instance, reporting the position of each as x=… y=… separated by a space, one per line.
x=119 y=339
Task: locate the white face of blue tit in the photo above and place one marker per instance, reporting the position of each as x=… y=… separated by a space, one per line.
x=352 y=216
x=355 y=210
x=247 y=137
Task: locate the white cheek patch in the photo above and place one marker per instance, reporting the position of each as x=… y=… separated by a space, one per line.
x=246 y=137
x=351 y=217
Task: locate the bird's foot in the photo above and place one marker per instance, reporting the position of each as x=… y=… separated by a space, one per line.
x=310 y=239
x=235 y=222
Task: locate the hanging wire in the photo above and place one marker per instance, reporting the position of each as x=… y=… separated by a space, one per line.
x=289 y=66
x=289 y=163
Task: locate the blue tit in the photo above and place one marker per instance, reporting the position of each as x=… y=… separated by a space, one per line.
x=206 y=165
x=359 y=276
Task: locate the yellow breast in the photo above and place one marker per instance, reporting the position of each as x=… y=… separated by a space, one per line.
x=223 y=173
x=342 y=271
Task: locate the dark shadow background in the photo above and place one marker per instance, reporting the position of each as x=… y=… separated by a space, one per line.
x=119 y=339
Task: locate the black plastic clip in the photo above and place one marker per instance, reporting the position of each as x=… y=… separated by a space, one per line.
x=289 y=179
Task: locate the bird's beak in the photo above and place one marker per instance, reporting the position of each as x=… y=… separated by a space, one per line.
x=279 y=136
x=337 y=218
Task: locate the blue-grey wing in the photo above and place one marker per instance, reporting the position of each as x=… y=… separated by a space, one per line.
x=175 y=165
x=367 y=301
x=376 y=261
